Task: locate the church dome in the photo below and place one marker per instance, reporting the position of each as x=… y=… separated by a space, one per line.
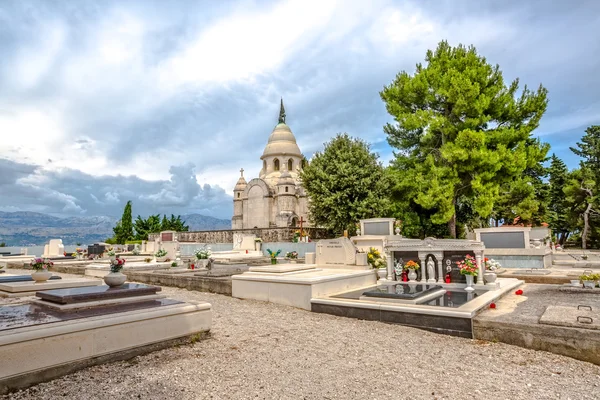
x=281 y=142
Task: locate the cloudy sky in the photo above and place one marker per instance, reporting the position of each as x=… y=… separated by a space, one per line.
x=162 y=102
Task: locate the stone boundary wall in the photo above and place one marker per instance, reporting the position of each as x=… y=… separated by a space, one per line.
x=267 y=235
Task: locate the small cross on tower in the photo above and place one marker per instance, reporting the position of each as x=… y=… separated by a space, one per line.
x=242 y=172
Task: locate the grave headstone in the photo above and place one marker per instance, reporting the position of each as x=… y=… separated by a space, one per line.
x=402 y=257
x=54 y=248
x=450 y=260
x=248 y=242
x=336 y=251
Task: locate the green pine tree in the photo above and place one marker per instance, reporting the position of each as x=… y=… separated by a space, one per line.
x=124 y=228
x=559 y=209
x=345 y=183
x=461 y=132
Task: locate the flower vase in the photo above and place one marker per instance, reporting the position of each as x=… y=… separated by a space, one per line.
x=469 y=287
x=490 y=278
x=114 y=279
x=273 y=261
x=589 y=284
x=397 y=230
x=292 y=261
x=112 y=258
x=382 y=273
x=257 y=246
x=41 y=276
x=412 y=275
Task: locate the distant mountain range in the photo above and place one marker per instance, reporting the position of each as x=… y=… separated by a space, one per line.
x=24 y=228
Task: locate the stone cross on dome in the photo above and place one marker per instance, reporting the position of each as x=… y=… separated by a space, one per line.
x=242 y=172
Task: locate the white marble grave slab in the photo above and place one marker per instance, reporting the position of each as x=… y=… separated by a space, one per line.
x=336 y=251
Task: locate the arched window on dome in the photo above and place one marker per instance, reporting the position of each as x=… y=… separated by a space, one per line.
x=290 y=165
x=286 y=189
x=265 y=165
x=276 y=164
x=238 y=195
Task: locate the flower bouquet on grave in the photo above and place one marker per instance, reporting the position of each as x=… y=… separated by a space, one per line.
x=161 y=255
x=468 y=268
x=491 y=264
x=203 y=253
x=115 y=278
x=117 y=265
x=412 y=267
x=273 y=255
x=375 y=259
x=41 y=266
x=292 y=256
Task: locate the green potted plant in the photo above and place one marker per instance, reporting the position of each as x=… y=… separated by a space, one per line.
x=41 y=266
x=589 y=280
x=161 y=255
x=273 y=255
x=202 y=255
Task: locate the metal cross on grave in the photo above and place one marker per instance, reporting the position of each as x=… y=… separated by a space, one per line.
x=301 y=221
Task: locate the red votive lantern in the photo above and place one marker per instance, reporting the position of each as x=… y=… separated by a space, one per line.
x=192 y=266
x=492 y=305
x=519 y=292
x=447 y=278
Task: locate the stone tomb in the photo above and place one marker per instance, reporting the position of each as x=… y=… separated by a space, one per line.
x=69 y=329
x=29 y=288
x=442 y=254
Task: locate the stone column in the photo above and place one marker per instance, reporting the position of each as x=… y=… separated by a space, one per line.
x=423 y=259
x=439 y=268
x=390 y=265
x=479 y=258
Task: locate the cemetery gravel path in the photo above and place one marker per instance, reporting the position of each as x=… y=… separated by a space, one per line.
x=267 y=351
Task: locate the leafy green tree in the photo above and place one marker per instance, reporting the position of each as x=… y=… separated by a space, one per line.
x=124 y=228
x=144 y=227
x=580 y=194
x=3 y=244
x=559 y=208
x=462 y=134
x=345 y=183
x=173 y=224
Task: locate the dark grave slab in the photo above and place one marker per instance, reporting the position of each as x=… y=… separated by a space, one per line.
x=450 y=260
x=96 y=293
x=402 y=291
x=18 y=316
x=2 y=271
x=23 y=278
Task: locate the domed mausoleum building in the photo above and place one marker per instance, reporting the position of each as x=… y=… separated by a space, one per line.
x=276 y=198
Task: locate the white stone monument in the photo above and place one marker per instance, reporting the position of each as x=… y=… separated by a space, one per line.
x=169 y=242
x=336 y=252
x=54 y=248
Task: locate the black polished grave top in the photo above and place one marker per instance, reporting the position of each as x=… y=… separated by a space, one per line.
x=22 y=278
x=19 y=316
x=402 y=291
x=94 y=293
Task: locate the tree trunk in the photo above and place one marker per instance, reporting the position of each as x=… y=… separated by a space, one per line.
x=452 y=222
x=586 y=226
x=452 y=226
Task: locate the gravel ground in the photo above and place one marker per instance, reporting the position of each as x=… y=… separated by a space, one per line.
x=267 y=351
